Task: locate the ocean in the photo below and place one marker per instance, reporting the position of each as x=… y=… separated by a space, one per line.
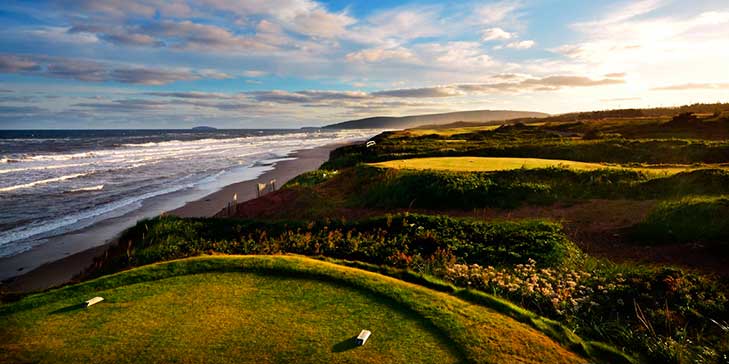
x=57 y=181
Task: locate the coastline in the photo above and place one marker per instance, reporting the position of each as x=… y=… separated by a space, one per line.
x=65 y=256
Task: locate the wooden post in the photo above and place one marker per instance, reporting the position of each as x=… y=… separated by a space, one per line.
x=235 y=203
x=272 y=184
x=260 y=189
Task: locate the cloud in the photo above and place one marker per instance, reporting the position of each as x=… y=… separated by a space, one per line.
x=427 y=92
x=619 y=99
x=147 y=76
x=374 y=55
x=570 y=81
x=616 y=75
x=8 y=110
x=91 y=71
x=393 y=27
x=190 y=95
x=624 y=12
x=524 y=44
x=179 y=100
x=318 y=22
x=309 y=96
x=459 y=56
x=17 y=64
x=549 y=83
x=185 y=35
x=497 y=12
x=254 y=73
x=125 y=105
x=495 y=34
x=694 y=86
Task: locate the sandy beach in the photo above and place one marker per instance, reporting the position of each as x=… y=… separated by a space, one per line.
x=65 y=256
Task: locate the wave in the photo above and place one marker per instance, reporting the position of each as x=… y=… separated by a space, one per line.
x=87 y=189
x=42 y=168
x=26 y=232
x=162 y=162
x=42 y=182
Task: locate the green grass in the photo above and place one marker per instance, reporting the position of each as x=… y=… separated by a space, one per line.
x=558 y=142
x=402 y=240
x=483 y=164
x=368 y=186
x=262 y=309
x=492 y=164
x=692 y=219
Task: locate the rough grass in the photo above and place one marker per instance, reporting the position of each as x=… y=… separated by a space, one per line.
x=286 y=309
x=493 y=164
x=692 y=219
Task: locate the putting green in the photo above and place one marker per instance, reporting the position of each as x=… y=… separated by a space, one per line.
x=493 y=164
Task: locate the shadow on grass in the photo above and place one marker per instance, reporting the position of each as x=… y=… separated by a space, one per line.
x=345 y=345
x=71 y=308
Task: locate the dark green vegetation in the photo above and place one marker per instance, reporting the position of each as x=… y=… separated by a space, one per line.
x=269 y=309
x=531 y=263
x=400 y=240
x=655 y=140
x=698 y=219
x=661 y=313
x=386 y=122
x=507 y=189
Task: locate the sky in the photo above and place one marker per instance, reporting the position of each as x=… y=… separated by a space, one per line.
x=292 y=63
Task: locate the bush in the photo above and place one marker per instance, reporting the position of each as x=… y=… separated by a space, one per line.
x=687 y=220
x=416 y=241
x=667 y=315
x=310 y=178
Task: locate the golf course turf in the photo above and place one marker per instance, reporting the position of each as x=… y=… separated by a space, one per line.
x=262 y=309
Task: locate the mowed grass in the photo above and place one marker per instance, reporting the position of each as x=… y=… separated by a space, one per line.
x=446 y=131
x=262 y=309
x=493 y=164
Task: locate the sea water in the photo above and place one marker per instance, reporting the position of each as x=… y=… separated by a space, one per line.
x=56 y=181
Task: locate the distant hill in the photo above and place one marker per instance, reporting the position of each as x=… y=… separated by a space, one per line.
x=405 y=122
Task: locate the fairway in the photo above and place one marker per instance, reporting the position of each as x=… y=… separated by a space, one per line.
x=254 y=310
x=493 y=164
x=484 y=164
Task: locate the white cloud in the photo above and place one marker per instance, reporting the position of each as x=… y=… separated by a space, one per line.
x=375 y=55
x=496 y=12
x=254 y=73
x=524 y=44
x=455 y=56
x=393 y=27
x=495 y=34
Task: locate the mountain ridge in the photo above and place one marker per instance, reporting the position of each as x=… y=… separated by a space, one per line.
x=411 y=121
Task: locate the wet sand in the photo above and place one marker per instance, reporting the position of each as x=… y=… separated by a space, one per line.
x=62 y=257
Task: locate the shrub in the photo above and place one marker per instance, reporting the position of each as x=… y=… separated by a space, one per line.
x=690 y=219
x=404 y=240
x=667 y=315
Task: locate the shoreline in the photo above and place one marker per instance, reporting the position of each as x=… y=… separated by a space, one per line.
x=65 y=256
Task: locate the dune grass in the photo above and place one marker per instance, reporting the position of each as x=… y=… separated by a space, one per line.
x=493 y=164
x=690 y=219
x=282 y=309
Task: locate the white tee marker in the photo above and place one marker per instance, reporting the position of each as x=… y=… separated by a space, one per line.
x=93 y=301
